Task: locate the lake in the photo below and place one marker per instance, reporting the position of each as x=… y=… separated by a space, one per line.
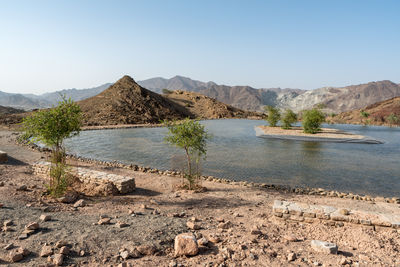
x=236 y=153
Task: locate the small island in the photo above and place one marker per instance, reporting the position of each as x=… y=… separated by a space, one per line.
x=324 y=135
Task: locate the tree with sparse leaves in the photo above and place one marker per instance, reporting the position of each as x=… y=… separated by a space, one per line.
x=288 y=119
x=51 y=127
x=273 y=115
x=192 y=137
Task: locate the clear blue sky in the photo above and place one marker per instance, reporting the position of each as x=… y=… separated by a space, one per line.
x=52 y=45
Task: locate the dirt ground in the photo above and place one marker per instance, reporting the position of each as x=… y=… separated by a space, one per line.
x=155 y=213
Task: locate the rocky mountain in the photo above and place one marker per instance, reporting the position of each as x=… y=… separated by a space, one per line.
x=204 y=107
x=375 y=114
x=333 y=99
x=126 y=102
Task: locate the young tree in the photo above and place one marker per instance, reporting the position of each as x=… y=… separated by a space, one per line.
x=191 y=136
x=52 y=127
x=288 y=119
x=273 y=115
x=364 y=117
x=393 y=119
x=312 y=120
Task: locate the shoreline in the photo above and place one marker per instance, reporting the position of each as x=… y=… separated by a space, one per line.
x=280 y=188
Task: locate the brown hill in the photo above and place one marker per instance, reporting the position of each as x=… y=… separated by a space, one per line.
x=9 y=110
x=126 y=102
x=377 y=114
x=204 y=107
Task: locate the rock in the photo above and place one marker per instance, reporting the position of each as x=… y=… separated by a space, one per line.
x=69 y=197
x=186 y=245
x=256 y=232
x=8 y=223
x=220 y=219
x=32 y=226
x=291 y=257
x=15 y=256
x=147 y=249
x=123 y=264
x=192 y=225
x=22 y=188
x=45 y=217
x=23 y=236
x=124 y=254
x=1 y=184
x=82 y=253
x=134 y=253
x=57 y=259
x=225 y=225
x=61 y=243
x=7 y=229
x=25 y=252
x=8 y=246
x=64 y=250
x=325 y=247
x=103 y=221
x=121 y=225
x=1 y=205
x=214 y=239
x=290 y=238
x=344 y=261
x=202 y=242
x=344 y=212
x=80 y=203
x=46 y=251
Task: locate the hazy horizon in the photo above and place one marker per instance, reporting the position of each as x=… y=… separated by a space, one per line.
x=48 y=46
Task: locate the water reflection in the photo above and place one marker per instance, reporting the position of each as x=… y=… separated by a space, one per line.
x=236 y=153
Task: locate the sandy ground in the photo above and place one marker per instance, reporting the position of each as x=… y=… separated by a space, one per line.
x=162 y=213
x=298 y=131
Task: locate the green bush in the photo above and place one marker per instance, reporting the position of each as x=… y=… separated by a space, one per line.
x=312 y=120
x=191 y=136
x=273 y=115
x=288 y=119
x=52 y=127
x=393 y=119
x=165 y=91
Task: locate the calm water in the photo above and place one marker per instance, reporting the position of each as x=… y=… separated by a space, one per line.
x=236 y=153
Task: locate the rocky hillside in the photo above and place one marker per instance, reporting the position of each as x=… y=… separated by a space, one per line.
x=204 y=107
x=9 y=110
x=126 y=102
x=376 y=114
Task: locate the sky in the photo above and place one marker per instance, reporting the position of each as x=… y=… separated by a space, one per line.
x=53 y=45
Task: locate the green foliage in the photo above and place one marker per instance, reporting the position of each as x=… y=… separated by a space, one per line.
x=273 y=115
x=288 y=119
x=312 y=120
x=364 y=114
x=191 y=136
x=320 y=106
x=52 y=127
x=333 y=115
x=165 y=91
x=393 y=119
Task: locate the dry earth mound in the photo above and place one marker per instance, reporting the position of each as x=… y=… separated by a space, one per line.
x=204 y=107
x=378 y=114
x=126 y=102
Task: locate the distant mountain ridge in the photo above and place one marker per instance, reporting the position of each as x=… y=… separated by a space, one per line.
x=333 y=99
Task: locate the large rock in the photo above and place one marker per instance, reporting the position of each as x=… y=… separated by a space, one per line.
x=3 y=156
x=186 y=245
x=324 y=247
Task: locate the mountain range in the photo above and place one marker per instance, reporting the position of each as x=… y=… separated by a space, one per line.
x=331 y=99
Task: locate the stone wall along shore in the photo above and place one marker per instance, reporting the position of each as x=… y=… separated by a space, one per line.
x=124 y=184
x=301 y=212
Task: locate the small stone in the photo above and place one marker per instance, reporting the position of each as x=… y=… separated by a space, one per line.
x=9 y=246
x=32 y=226
x=325 y=247
x=61 y=243
x=124 y=254
x=80 y=203
x=23 y=236
x=25 y=252
x=186 y=245
x=225 y=225
x=214 y=239
x=256 y=232
x=344 y=261
x=64 y=250
x=82 y=253
x=220 y=219
x=46 y=251
x=15 y=256
x=22 y=188
x=291 y=257
x=103 y=221
x=290 y=238
x=8 y=223
x=252 y=256
x=121 y=225
x=173 y=263
x=134 y=253
x=192 y=225
x=344 y=212
x=69 y=197
x=1 y=205
x=58 y=259
x=45 y=217
x=202 y=242
x=123 y=264
x=1 y=184
x=147 y=249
